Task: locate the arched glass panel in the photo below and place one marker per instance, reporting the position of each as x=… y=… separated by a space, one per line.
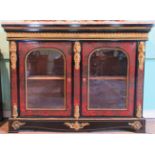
x=45 y=79
x=107 y=79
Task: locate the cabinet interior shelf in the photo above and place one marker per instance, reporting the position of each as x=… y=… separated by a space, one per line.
x=108 y=78
x=91 y=78
x=45 y=78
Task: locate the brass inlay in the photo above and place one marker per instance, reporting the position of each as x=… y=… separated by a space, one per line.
x=76 y=112
x=76 y=125
x=15 y=112
x=136 y=125
x=82 y=36
x=141 y=48
x=108 y=78
x=17 y=124
x=77 y=57
x=45 y=78
x=139 y=111
x=13 y=56
x=73 y=119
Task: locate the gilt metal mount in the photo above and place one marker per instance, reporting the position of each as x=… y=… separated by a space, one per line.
x=17 y=124
x=76 y=125
x=136 y=125
x=77 y=57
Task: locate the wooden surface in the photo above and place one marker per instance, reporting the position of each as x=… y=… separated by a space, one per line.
x=25 y=48
x=71 y=31
x=80 y=22
x=126 y=47
x=150 y=129
x=77 y=26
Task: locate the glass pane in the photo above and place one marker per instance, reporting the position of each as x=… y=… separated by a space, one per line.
x=107 y=79
x=46 y=94
x=108 y=62
x=45 y=62
x=45 y=79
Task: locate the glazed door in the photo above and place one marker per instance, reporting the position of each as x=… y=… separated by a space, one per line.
x=45 y=78
x=108 y=75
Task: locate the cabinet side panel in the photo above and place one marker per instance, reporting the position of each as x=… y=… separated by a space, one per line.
x=14 y=86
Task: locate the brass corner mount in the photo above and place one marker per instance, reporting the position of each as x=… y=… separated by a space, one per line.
x=136 y=125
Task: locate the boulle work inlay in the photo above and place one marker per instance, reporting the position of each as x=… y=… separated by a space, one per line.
x=59 y=84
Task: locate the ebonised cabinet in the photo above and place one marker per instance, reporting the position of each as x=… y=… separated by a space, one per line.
x=77 y=75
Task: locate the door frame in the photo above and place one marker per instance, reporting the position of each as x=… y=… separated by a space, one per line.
x=130 y=49
x=23 y=50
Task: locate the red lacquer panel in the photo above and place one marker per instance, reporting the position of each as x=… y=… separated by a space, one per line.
x=45 y=78
x=108 y=78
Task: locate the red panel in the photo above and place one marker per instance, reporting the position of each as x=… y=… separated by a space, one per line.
x=24 y=48
x=130 y=49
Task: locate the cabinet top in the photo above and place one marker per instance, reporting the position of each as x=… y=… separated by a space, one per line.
x=78 y=26
x=85 y=22
x=73 y=29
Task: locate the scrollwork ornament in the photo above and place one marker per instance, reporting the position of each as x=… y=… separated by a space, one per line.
x=76 y=112
x=17 y=124
x=77 y=57
x=136 y=125
x=15 y=111
x=139 y=111
x=141 y=49
x=13 y=56
x=76 y=125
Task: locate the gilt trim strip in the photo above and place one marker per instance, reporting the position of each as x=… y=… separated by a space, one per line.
x=106 y=36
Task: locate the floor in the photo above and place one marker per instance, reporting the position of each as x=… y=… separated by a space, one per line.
x=150 y=129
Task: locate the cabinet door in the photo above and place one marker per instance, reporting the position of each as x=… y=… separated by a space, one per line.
x=45 y=78
x=108 y=78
